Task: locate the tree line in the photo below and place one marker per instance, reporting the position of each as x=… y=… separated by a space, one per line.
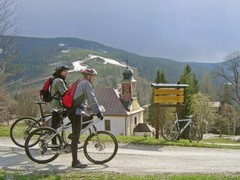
x=216 y=110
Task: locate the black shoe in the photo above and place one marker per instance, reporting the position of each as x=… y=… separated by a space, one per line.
x=79 y=165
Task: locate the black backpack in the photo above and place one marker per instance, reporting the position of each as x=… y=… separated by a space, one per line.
x=45 y=92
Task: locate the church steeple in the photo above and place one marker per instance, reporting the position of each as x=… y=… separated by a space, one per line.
x=128 y=74
x=128 y=85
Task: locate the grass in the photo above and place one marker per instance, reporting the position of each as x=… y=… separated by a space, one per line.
x=116 y=176
x=205 y=143
x=4 y=131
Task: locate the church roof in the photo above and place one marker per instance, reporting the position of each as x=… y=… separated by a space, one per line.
x=143 y=127
x=111 y=101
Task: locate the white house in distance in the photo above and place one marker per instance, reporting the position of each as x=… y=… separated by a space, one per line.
x=123 y=111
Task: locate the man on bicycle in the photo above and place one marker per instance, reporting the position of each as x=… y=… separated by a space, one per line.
x=58 y=88
x=84 y=92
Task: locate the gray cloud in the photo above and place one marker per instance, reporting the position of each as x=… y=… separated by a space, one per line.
x=186 y=30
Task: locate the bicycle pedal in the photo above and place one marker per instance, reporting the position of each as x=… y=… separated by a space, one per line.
x=70 y=136
x=67 y=148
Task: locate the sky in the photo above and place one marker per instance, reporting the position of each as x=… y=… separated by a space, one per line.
x=182 y=30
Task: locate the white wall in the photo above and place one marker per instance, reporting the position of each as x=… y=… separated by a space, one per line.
x=121 y=125
x=117 y=125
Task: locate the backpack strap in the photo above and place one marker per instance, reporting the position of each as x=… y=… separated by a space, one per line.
x=55 y=95
x=51 y=90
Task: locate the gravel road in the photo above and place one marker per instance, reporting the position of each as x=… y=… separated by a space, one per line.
x=133 y=159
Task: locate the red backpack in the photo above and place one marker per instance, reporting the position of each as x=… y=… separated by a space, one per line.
x=67 y=99
x=45 y=92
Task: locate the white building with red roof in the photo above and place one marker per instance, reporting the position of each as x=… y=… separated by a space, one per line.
x=123 y=111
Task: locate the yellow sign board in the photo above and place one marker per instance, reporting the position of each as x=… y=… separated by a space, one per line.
x=169 y=93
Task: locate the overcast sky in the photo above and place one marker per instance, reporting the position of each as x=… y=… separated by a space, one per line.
x=183 y=30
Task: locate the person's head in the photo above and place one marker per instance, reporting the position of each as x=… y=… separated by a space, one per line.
x=89 y=74
x=61 y=71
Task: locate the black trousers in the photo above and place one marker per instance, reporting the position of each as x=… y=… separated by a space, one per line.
x=76 y=127
x=55 y=122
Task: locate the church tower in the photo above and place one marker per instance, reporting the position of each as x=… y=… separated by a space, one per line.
x=128 y=86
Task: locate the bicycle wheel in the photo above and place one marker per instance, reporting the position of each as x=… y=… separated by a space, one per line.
x=21 y=128
x=194 y=134
x=169 y=131
x=44 y=151
x=101 y=147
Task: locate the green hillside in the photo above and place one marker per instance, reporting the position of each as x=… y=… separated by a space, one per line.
x=37 y=54
x=38 y=57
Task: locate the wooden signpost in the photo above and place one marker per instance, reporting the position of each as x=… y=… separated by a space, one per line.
x=167 y=95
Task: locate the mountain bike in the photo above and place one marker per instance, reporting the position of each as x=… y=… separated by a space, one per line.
x=99 y=147
x=22 y=127
x=172 y=130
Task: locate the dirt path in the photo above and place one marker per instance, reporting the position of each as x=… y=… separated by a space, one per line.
x=133 y=159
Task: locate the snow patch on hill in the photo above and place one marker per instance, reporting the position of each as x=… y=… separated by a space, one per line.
x=107 y=60
x=78 y=65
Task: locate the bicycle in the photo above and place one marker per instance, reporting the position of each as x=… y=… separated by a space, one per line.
x=172 y=131
x=99 y=147
x=22 y=127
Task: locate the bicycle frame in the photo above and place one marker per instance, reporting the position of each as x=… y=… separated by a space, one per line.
x=189 y=121
x=58 y=130
x=92 y=124
x=42 y=117
x=177 y=122
x=62 y=128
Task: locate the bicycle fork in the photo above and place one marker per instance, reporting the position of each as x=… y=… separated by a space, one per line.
x=99 y=145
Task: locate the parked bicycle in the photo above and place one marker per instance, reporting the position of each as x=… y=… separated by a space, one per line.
x=22 y=127
x=172 y=130
x=99 y=147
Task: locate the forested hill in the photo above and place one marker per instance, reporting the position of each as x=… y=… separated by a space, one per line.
x=37 y=54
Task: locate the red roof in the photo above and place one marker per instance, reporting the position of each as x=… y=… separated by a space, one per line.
x=143 y=127
x=111 y=101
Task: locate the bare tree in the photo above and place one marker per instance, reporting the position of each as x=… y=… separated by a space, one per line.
x=8 y=49
x=228 y=113
x=25 y=105
x=206 y=86
x=230 y=72
x=8 y=29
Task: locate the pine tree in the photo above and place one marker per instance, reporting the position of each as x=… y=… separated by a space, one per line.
x=189 y=78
